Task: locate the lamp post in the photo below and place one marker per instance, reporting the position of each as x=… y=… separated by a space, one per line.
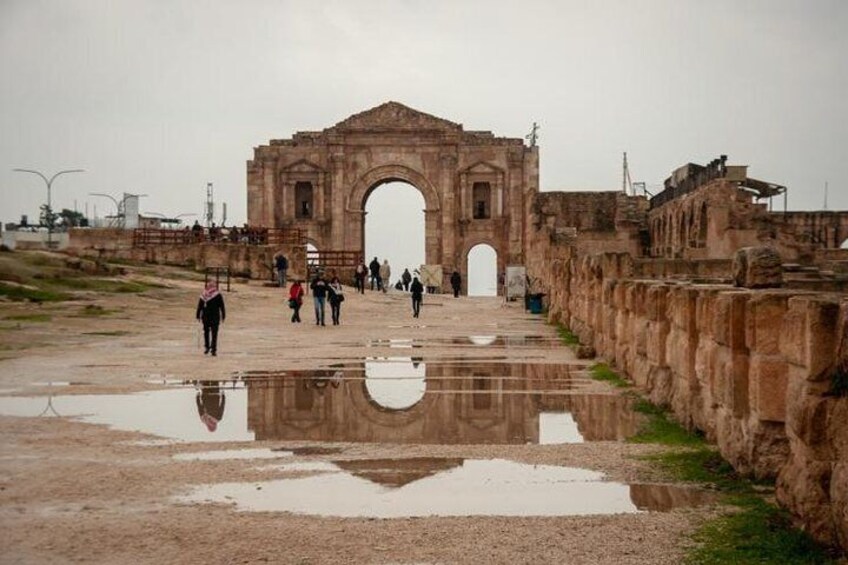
x=49 y=183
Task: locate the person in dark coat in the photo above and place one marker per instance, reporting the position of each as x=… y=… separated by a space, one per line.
x=210 y=404
x=319 y=297
x=211 y=312
x=374 y=267
x=335 y=298
x=406 y=278
x=360 y=275
x=282 y=265
x=456 y=283
x=417 y=296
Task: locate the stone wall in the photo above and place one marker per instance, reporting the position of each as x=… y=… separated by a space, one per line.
x=752 y=369
x=720 y=217
x=251 y=261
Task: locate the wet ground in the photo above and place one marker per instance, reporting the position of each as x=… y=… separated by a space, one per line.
x=474 y=420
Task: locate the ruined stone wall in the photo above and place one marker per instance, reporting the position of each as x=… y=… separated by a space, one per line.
x=591 y=221
x=718 y=218
x=752 y=369
x=251 y=261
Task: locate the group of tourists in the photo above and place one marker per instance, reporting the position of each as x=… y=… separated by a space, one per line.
x=212 y=313
x=323 y=292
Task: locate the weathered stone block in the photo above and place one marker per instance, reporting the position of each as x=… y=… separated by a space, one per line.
x=758 y=267
x=768 y=378
x=764 y=322
x=809 y=333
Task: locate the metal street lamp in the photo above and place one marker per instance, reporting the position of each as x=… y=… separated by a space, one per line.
x=49 y=183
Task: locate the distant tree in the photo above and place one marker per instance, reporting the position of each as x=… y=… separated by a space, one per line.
x=46 y=217
x=72 y=219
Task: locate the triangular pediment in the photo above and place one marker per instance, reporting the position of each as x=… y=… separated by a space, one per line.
x=302 y=166
x=394 y=116
x=482 y=167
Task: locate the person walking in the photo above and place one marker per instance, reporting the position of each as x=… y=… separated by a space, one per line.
x=282 y=265
x=210 y=402
x=319 y=296
x=360 y=275
x=385 y=274
x=296 y=300
x=417 y=296
x=374 y=268
x=456 y=283
x=211 y=313
x=406 y=278
x=336 y=298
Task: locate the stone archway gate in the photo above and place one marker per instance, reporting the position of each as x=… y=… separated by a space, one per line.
x=477 y=187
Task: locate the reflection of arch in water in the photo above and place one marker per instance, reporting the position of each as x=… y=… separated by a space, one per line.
x=395 y=384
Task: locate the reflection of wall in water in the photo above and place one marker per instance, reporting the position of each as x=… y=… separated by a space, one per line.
x=462 y=404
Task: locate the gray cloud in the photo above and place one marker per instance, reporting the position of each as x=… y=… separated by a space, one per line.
x=161 y=97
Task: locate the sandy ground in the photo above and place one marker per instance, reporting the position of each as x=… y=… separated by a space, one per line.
x=76 y=492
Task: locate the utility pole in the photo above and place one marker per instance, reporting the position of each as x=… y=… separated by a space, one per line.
x=533 y=136
x=626 y=184
x=210 y=205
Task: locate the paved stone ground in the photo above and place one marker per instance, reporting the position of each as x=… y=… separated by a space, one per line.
x=71 y=491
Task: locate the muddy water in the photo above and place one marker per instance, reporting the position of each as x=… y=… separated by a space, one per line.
x=381 y=399
x=445 y=487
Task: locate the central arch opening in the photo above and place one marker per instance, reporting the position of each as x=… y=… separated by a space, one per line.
x=394 y=227
x=482 y=271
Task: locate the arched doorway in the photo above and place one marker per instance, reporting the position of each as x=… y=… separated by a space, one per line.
x=482 y=270
x=394 y=227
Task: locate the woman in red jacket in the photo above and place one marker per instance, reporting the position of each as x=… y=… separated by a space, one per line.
x=295 y=300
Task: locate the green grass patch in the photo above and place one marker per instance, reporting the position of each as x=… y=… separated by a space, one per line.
x=22 y=293
x=755 y=531
x=660 y=428
x=567 y=336
x=99 y=285
x=605 y=373
x=29 y=318
x=759 y=533
x=110 y=333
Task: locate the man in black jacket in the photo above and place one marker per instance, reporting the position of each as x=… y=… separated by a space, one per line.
x=374 y=267
x=210 y=311
x=456 y=283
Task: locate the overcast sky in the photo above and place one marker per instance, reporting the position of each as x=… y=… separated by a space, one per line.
x=160 y=97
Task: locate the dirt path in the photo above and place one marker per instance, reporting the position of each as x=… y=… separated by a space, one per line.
x=73 y=491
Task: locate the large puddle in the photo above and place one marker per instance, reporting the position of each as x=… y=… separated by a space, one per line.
x=383 y=400
x=475 y=341
x=398 y=488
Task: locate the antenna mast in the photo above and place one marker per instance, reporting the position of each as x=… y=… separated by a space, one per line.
x=210 y=205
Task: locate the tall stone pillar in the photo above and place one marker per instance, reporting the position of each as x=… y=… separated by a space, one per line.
x=337 y=203
x=447 y=189
x=432 y=233
x=270 y=198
